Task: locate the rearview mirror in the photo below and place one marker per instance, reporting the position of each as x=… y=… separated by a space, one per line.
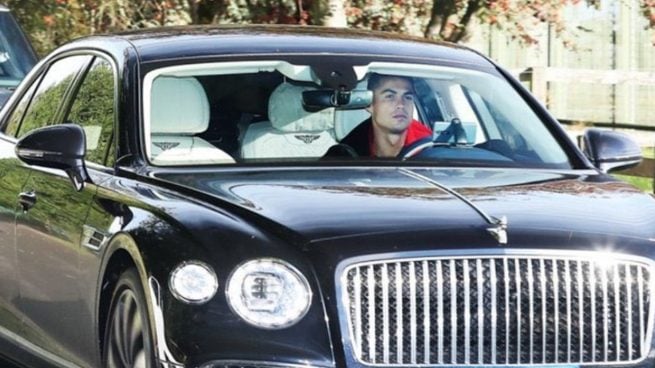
x=610 y=150
x=344 y=100
x=59 y=147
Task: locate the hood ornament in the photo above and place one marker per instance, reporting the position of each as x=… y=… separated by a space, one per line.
x=499 y=230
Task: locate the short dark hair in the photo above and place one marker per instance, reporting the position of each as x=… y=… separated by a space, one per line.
x=375 y=79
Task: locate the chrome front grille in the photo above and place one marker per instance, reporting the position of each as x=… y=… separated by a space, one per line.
x=566 y=308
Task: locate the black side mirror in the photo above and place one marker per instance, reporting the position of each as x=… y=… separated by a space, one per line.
x=59 y=147
x=610 y=150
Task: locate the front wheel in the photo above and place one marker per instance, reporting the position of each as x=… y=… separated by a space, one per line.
x=127 y=342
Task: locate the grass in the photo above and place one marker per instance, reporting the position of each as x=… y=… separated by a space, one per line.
x=645 y=184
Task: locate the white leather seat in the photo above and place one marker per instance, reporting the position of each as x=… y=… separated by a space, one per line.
x=179 y=111
x=346 y=120
x=291 y=131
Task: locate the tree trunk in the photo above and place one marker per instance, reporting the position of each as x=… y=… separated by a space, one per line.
x=472 y=8
x=193 y=11
x=441 y=10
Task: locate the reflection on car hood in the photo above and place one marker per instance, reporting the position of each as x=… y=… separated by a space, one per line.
x=322 y=204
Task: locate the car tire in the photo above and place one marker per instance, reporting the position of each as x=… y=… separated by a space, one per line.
x=127 y=342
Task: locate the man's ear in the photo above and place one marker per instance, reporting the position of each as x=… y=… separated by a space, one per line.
x=369 y=108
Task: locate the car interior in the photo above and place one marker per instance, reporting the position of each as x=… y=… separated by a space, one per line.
x=283 y=114
x=248 y=117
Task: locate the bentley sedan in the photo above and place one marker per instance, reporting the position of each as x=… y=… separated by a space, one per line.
x=307 y=197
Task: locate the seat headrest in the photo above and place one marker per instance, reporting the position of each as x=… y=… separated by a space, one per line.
x=347 y=120
x=286 y=113
x=178 y=106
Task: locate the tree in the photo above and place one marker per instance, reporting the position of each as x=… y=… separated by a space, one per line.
x=53 y=22
x=50 y=23
x=648 y=9
x=449 y=20
x=247 y=11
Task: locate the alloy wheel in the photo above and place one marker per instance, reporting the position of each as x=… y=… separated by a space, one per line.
x=126 y=347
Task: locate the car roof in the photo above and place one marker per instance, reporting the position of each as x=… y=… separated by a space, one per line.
x=167 y=43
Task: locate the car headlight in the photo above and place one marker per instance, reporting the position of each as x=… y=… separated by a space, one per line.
x=193 y=282
x=268 y=293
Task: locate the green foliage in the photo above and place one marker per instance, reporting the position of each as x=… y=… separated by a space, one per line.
x=645 y=184
x=45 y=103
x=94 y=108
x=43 y=107
x=48 y=23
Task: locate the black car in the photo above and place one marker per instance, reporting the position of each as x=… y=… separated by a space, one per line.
x=193 y=197
x=17 y=57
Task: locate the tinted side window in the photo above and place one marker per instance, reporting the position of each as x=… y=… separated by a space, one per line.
x=17 y=115
x=93 y=109
x=48 y=97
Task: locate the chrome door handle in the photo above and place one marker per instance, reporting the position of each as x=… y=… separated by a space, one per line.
x=27 y=200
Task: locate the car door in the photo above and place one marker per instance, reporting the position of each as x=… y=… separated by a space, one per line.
x=13 y=175
x=94 y=107
x=48 y=226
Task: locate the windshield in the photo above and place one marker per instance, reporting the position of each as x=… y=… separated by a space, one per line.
x=16 y=55
x=273 y=111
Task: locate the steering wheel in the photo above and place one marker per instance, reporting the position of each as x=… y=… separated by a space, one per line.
x=340 y=151
x=415 y=148
x=453 y=135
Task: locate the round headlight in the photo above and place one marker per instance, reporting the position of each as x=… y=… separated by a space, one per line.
x=268 y=293
x=193 y=282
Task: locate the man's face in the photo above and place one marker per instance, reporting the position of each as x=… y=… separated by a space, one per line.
x=393 y=105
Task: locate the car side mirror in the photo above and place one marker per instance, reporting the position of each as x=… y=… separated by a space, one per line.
x=610 y=150
x=59 y=147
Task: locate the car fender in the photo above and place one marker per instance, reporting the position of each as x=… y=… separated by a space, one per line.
x=128 y=248
x=157 y=239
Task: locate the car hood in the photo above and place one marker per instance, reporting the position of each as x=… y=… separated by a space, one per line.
x=335 y=203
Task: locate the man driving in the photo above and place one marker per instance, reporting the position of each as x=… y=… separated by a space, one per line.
x=391 y=125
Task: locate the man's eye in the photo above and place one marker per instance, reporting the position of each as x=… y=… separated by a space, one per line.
x=409 y=97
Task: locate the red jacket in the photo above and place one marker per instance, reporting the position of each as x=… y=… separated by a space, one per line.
x=361 y=138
